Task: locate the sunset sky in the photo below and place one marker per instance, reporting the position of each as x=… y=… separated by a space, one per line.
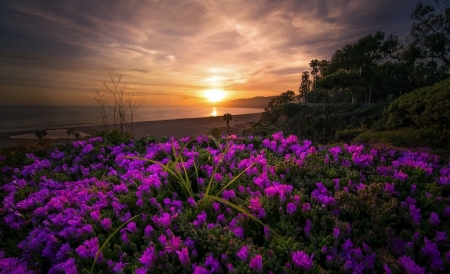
x=173 y=51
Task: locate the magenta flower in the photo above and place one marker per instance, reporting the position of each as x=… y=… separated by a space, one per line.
x=88 y=249
x=131 y=227
x=291 y=208
x=148 y=231
x=95 y=215
x=243 y=253
x=400 y=175
x=200 y=270
x=148 y=257
x=173 y=244
x=306 y=207
x=301 y=260
x=106 y=224
x=255 y=204
x=213 y=264
x=256 y=264
x=410 y=266
x=335 y=233
x=183 y=255
x=434 y=219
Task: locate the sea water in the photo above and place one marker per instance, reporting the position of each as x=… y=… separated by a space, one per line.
x=14 y=119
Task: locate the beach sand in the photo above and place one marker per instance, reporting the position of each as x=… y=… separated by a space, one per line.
x=176 y=128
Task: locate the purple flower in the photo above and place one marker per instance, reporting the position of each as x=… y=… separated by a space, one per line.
x=256 y=264
x=106 y=224
x=230 y=268
x=131 y=227
x=173 y=244
x=255 y=204
x=200 y=270
x=410 y=266
x=415 y=214
x=243 y=253
x=228 y=194
x=267 y=233
x=434 y=219
x=440 y=237
x=148 y=231
x=291 y=208
x=164 y=221
x=148 y=257
x=191 y=202
x=238 y=232
x=306 y=207
x=307 y=228
x=183 y=255
x=302 y=261
x=335 y=233
x=400 y=175
x=88 y=249
x=95 y=215
x=212 y=263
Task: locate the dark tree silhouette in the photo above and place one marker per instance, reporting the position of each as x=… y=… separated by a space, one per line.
x=227 y=118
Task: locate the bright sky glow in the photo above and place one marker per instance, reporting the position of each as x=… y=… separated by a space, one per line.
x=171 y=51
x=215 y=95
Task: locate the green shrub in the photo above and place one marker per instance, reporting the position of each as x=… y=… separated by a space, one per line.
x=348 y=135
x=427 y=107
x=406 y=137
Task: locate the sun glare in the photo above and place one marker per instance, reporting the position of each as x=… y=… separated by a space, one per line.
x=215 y=95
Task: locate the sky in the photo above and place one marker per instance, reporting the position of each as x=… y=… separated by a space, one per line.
x=174 y=52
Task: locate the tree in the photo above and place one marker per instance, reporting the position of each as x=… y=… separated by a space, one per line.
x=123 y=109
x=227 y=118
x=305 y=85
x=431 y=30
x=70 y=131
x=40 y=134
x=101 y=109
x=275 y=107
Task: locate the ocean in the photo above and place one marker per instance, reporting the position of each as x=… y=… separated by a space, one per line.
x=14 y=119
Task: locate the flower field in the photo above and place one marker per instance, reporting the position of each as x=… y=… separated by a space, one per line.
x=235 y=205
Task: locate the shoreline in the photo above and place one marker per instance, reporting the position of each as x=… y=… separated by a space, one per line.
x=173 y=127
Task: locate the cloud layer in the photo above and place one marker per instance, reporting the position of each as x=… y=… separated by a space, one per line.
x=171 y=51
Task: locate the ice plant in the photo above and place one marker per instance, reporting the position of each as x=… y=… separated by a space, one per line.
x=256 y=263
x=301 y=260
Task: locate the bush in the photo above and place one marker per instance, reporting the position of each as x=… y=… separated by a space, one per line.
x=348 y=135
x=406 y=137
x=427 y=107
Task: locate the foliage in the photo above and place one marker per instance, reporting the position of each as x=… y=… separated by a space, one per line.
x=430 y=31
x=227 y=118
x=344 y=208
x=40 y=134
x=406 y=137
x=273 y=111
x=426 y=107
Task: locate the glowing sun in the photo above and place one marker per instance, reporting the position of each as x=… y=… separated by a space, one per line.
x=215 y=95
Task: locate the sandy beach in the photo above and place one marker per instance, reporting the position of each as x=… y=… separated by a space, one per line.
x=176 y=128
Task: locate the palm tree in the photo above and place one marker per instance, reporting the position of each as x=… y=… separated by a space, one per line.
x=227 y=118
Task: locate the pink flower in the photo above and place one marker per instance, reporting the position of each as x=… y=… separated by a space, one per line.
x=302 y=261
x=243 y=253
x=183 y=255
x=256 y=264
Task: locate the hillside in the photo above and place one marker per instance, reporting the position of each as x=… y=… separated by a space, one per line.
x=255 y=102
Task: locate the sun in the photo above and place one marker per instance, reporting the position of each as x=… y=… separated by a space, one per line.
x=214 y=95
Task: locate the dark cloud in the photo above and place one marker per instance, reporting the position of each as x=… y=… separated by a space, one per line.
x=253 y=47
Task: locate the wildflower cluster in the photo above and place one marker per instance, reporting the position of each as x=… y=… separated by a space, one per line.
x=281 y=206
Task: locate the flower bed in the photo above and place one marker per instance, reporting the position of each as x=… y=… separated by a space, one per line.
x=239 y=205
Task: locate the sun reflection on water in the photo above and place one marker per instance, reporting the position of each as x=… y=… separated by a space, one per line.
x=214 y=112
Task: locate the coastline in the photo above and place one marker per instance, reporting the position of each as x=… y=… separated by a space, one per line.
x=176 y=128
